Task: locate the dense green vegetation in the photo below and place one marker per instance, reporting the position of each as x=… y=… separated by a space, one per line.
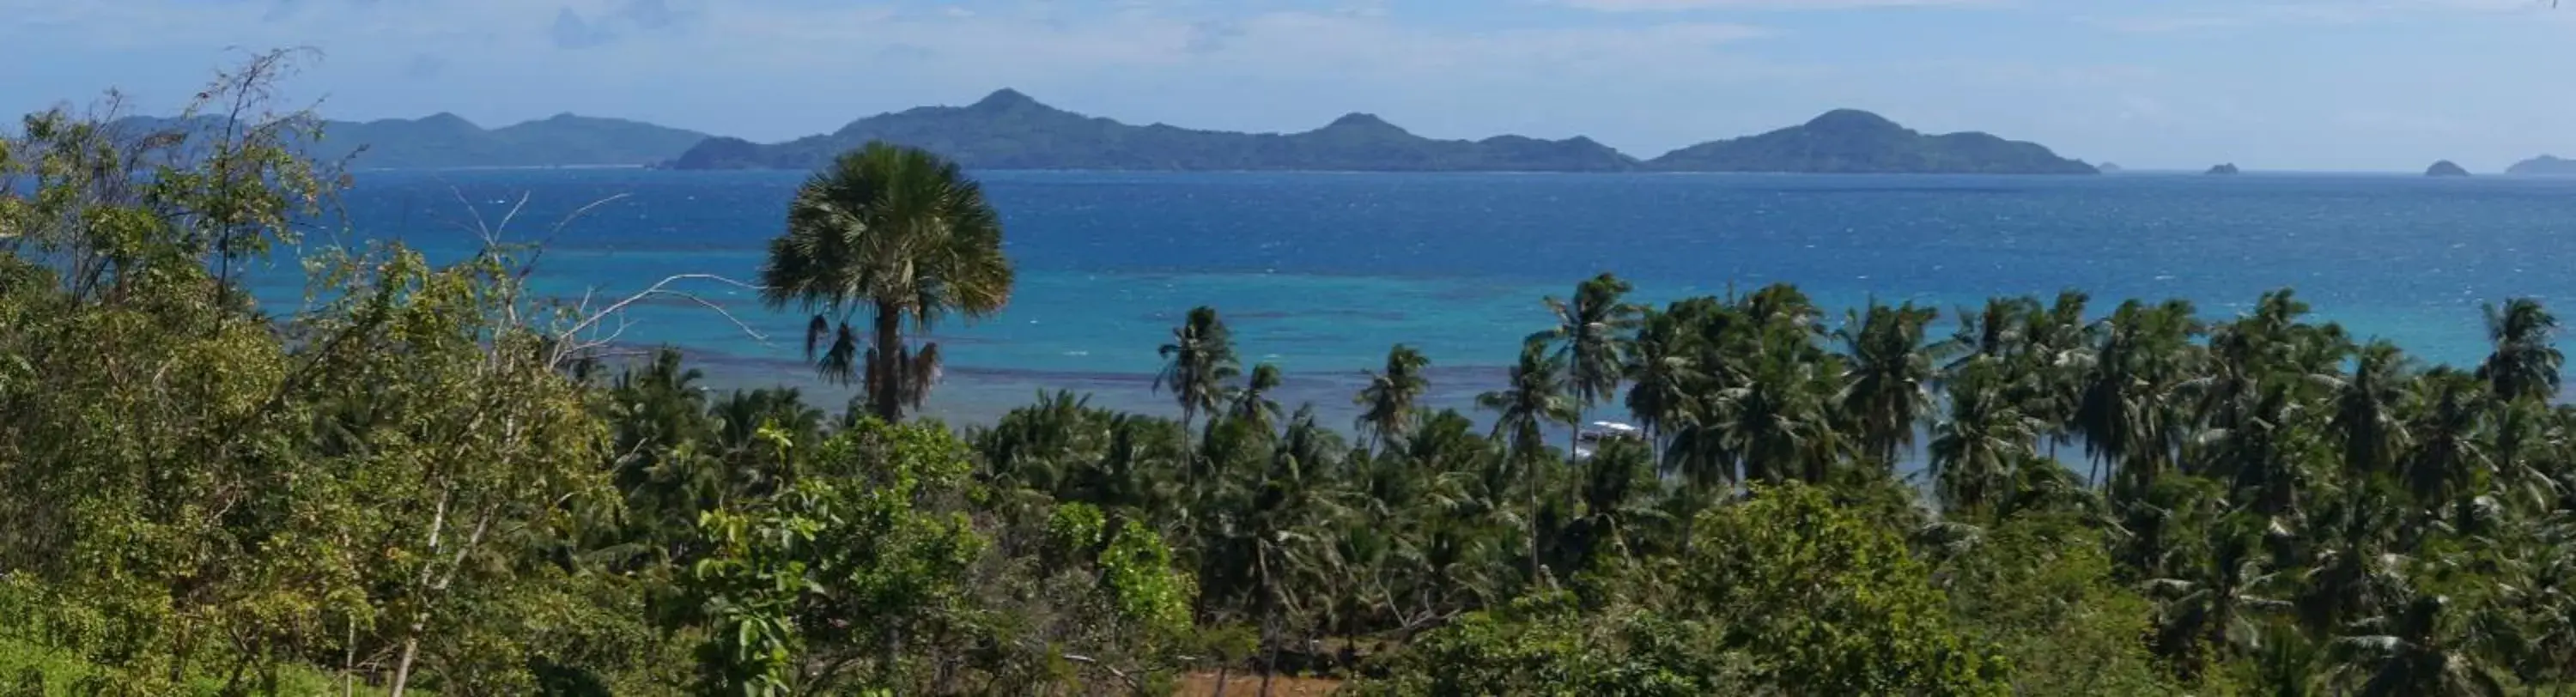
x=429 y=479
x=1008 y=130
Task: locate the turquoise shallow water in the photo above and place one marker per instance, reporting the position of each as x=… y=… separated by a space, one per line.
x=1320 y=273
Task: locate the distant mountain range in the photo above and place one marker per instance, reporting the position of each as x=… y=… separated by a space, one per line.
x=447 y=141
x=1010 y=130
x=2545 y=166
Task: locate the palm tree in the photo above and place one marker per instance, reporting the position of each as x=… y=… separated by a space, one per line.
x=1387 y=404
x=1777 y=419
x=1996 y=333
x=2449 y=425
x=2525 y=364
x=2350 y=571
x=1886 y=387
x=902 y=234
x=1976 y=450
x=1590 y=336
x=2125 y=411
x=2217 y=604
x=1662 y=372
x=2365 y=417
x=1253 y=402
x=2415 y=650
x=1198 y=364
x=1536 y=398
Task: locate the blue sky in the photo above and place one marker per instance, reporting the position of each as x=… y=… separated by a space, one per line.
x=2269 y=84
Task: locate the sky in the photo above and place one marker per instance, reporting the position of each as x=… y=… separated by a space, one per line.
x=2378 y=85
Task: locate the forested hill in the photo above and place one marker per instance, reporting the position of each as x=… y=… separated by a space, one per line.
x=2545 y=165
x=445 y=141
x=1853 y=141
x=1010 y=130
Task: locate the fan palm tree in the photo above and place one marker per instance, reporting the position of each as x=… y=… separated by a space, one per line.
x=1198 y=364
x=2414 y=650
x=905 y=236
x=1886 y=385
x=1387 y=404
x=1590 y=338
x=2524 y=364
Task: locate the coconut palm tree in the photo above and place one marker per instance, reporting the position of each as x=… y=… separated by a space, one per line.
x=1253 y=402
x=2218 y=603
x=1778 y=419
x=904 y=236
x=1198 y=364
x=2525 y=363
x=2126 y=412
x=2366 y=420
x=1387 y=405
x=1977 y=447
x=1887 y=382
x=1590 y=338
x=1537 y=397
x=2449 y=426
x=1663 y=371
x=2416 y=649
x=2350 y=570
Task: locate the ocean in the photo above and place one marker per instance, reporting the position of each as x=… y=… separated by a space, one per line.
x=1319 y=273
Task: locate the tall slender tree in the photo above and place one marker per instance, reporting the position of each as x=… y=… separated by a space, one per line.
x=1590 y=338
x=1198 y=364
x=1254 y=403
x=1978 y=447
x=1387 y=405
x=2524 y=364
x=1887 y=382
x=903 y=235
x=2366 y=419
x=1663 y=371
x=1536 y=397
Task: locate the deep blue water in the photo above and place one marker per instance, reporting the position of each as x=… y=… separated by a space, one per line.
x=1320 y=273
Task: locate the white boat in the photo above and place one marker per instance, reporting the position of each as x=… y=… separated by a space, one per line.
x=1588 y=437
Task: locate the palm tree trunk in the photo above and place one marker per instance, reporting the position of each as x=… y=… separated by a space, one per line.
x=885 y=367
x=1532 y=464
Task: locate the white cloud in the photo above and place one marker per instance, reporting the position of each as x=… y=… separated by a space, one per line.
x=2266 y=13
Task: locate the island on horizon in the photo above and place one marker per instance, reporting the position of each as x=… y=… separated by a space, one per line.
x=2544 y=166
x=447 y=141
x=2445 y=168
x=1010 y=130
x=2223 y=168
